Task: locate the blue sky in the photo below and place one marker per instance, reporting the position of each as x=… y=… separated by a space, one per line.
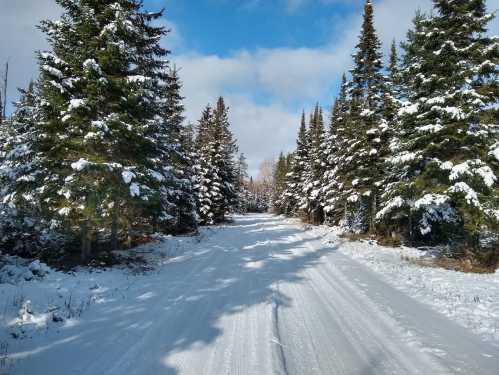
x=221 y=26
x=269 y=58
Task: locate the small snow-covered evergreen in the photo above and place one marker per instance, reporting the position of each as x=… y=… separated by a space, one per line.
x=216 y=168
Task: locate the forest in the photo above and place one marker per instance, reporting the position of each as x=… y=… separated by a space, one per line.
x=97 y=154
x=139 y=236
x=410 y=153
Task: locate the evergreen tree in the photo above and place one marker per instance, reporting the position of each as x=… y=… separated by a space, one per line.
x=312 y=202
x=241 y=175
x=296 y=177
x=209 y=192
x=100 y=159
x=339 y=133
x=279 y=184
x=446 y=177
x=228 y=151
x=392 y=93
x=362 y=160
x=25 y=232
x=216 y=148
x=179 y=160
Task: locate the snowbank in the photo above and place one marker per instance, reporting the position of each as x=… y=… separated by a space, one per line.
x=36 y=299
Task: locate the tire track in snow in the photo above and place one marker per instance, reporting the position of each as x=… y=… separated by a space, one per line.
x=283 y=367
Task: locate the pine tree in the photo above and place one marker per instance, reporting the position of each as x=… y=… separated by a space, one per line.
x=21 y=217
x=392 y=87
x=362 y=169
x=228 y=151
x=178 y=161
x=279 y=184
x=312 y=202
x=99 y=169
x=241 y=175
x=447 y=176
x=296 y=177
x=216 y=170
x=209 y=182
x=336 y=143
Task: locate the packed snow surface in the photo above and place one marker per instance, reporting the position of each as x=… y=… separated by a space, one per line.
x=261 y=296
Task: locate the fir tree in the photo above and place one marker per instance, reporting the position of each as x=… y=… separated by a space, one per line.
x=296 y=177
x=241 y=175
x=447 y=182
x=21 y=214
x=339 y=133
x=99 y=157
x=179 y=159
x=312 y=202
x=216 y=172
x=228 y=151
x=209 y=183
x=279 y=184
x=362 y=167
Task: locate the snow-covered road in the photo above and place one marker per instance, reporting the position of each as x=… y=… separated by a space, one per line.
x=261 y=296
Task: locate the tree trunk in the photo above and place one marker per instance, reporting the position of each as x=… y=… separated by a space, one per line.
x=372 y=218
x=85 y=243
x=114 y=230
x=128 y=234
x=411 y=235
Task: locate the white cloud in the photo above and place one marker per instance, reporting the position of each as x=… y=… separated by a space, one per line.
x=288 y=78
x=19 y=38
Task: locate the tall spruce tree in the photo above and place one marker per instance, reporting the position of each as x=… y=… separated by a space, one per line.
x=100 y=158
x=298 y=166
x=228 y=151
x=241 y=176
x=216 y=148
x=208 y=188
x=279 y=184
x=447 y=176
x=337 y=139
x=312 y=202
x=22 y=224
x=362 y=169
x=179 y=160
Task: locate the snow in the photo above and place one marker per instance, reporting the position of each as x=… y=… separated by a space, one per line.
x=409 y=109
x=92 y=65
x=135 y=190
x=75 y=104
x=472 y=167
x=430 y=128
x=435 y=208
x=137 y=79
x=488 y=176
x=470 y=195
x=366 y=113
x=392 y=204
x=469 y=299
x=495 y=153
x=263 y=295
x=53 y=71
x=127 y=176
x=65 y=211
x=80 y=165
x=403 y=158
